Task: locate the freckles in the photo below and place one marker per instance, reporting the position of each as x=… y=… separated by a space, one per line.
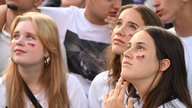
x=140 y=57
x=31 y=45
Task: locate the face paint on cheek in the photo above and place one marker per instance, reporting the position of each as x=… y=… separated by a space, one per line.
x=140 y=57
x=31 y=45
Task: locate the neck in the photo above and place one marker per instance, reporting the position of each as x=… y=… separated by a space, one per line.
x=32 y=75
x=93 y=18
x=183 y=24
x=144 y=86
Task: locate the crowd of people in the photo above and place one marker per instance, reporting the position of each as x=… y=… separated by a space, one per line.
x=95 y=54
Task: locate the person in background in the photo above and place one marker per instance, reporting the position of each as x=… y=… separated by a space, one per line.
x=179 y=13
x=85 y=35
x=2 y=2
x=125 y=2
x=3 y=11
x=78 y=3
x=129 y=19
x=154 y=71
x=36 y=68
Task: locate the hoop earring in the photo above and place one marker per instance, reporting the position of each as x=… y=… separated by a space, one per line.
x=46 y=61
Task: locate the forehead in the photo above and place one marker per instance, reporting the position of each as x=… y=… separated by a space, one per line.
x=25 y=26
x=143 y=36
x=132 y=15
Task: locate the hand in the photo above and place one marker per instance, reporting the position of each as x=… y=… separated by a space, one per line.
x=3 y=12
x=111 y=22
x=115 y=99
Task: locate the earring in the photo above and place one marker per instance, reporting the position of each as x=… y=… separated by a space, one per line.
x=46 y=61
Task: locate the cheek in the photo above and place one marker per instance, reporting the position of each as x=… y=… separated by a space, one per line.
x=140 y=57
x=30 y=44
x=12 y=44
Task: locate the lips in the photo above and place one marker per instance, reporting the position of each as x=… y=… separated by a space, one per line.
x=117 y=41
x=19 y=51
x=126 y=63
x=158 y=12
x=113 y=14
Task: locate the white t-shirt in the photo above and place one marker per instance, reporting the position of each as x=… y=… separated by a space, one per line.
x=4 y=50
x=73 y=19
x=187 y=44
x=84 y=42
x=175 y=103
x=99 y=87
x=75 y=91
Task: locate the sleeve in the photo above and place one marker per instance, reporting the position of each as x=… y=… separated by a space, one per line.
x=77 y=96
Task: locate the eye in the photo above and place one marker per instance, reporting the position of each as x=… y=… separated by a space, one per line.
x=118 y=23
x=30 y=37
x=16 y=36
x=140 y=48
x=132 y=27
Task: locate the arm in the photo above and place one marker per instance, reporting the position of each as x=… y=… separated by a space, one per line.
x=3 y=11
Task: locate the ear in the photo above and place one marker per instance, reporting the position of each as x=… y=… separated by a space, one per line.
x=164 y=65
x=38 y=2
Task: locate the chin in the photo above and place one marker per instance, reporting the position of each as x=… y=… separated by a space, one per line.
x=117 y=50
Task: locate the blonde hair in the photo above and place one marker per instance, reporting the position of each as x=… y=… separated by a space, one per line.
x=53 y=76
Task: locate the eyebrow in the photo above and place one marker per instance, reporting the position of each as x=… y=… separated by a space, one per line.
x=141 y=43
x=27 y=33
x=138 y=43
x=130 y=22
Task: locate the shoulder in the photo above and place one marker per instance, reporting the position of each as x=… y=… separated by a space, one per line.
x=72 y=81
x=100 y=81
x=59 y=10
x=101 y=77
x=76 y=93
x=176 y=103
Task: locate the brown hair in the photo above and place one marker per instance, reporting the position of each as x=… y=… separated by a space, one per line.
x=114 y=60
x=173 y=82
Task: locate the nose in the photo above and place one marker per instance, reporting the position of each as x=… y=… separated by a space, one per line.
x=127 y=54
x=117 y=4
x=124 y=31
x=155 y=3
x=19 y=41
x=120 y=31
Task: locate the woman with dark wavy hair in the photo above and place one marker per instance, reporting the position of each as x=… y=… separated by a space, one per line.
x=154 y=69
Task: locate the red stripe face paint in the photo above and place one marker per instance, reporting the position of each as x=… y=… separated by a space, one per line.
x=31 y=45
x=140 y=57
